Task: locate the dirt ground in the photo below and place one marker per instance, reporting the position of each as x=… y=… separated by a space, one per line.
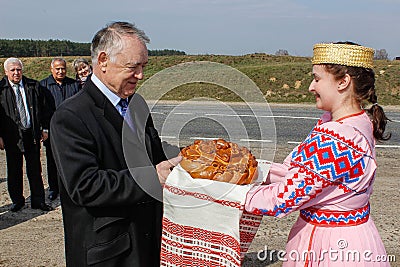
x=35 y=238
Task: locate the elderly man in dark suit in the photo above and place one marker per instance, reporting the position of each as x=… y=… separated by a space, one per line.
x=24 y=123
x=110 y=201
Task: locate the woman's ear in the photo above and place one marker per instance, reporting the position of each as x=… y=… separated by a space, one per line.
x=344 y=82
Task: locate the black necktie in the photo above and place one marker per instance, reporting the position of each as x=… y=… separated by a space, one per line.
x=21 y=107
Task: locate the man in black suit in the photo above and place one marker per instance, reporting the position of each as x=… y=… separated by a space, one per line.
x=24 y=123
x=110 y=200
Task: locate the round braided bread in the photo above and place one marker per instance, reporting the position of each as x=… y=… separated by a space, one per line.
x=219 y=160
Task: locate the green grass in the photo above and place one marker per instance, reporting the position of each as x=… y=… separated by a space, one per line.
x=281 y=79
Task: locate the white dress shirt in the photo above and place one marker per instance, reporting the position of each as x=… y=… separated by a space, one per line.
x=114 y=99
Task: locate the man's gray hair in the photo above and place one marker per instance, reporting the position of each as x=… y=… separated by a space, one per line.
x=58 y=59
x=109 y=39
x=12 y=60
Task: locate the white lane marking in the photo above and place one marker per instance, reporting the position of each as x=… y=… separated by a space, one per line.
x=204 y=138
x=262 y=116
x=378 y=146
x=249 y=115
x=229 y=115
x=260 y=141
x=296 y=117
x=293 y=142
x=167 y=137
x=213 y=138
x=255 y=140
x=387 y=146
x=243 y=115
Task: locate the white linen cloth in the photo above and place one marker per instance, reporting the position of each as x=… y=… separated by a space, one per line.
x=204 y=223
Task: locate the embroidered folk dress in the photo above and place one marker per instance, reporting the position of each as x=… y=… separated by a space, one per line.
x=329 y=179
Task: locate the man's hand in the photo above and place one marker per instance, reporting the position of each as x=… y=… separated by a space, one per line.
x=45 y=135
x=164 y=168
x=1 y=143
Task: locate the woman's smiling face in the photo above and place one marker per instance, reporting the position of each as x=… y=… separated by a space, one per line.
x=324 y=87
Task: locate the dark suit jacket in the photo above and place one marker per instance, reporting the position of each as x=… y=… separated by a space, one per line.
x=109 y=218
x=56 y=94
x=68 y=88
x=39 y=115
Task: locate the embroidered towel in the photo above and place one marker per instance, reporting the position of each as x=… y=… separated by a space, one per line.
x=204 y=222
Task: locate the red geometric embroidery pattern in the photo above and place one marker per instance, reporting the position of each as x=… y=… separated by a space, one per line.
x=248 y=226
x=331 y=156
x=324 y=159
x=190 y=246
x=350 y=143
x=329 y=218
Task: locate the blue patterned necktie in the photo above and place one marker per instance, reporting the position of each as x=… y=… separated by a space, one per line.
x=123 y=103
x=20 y=106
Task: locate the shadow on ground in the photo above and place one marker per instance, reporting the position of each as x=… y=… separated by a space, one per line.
x=9 y=219
x=259 y=259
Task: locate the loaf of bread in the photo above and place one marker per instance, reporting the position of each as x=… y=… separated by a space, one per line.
x=219 y=160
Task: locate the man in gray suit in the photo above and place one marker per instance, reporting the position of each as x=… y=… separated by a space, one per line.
x=112 y=214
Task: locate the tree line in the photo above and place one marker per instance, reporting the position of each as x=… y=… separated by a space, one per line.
x=53 y=48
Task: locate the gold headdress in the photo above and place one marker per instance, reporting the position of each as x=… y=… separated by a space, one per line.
x=343 y=54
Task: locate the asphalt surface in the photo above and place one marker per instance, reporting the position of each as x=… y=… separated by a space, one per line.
x=255 y=125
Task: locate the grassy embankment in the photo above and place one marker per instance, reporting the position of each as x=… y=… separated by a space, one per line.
x=281 y=79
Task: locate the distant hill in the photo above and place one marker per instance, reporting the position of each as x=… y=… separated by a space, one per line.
x=281 y=79
x=52 y=48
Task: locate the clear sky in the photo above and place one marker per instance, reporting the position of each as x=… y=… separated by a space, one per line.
x=229 y=27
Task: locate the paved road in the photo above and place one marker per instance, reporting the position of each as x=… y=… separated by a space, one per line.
x=257 y=125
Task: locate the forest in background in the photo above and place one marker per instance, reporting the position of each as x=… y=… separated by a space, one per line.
x=53 y=48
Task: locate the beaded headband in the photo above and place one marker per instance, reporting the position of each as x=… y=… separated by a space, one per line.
x=343 y=54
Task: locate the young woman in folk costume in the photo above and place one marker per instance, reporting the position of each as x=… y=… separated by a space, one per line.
x=330 y=175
